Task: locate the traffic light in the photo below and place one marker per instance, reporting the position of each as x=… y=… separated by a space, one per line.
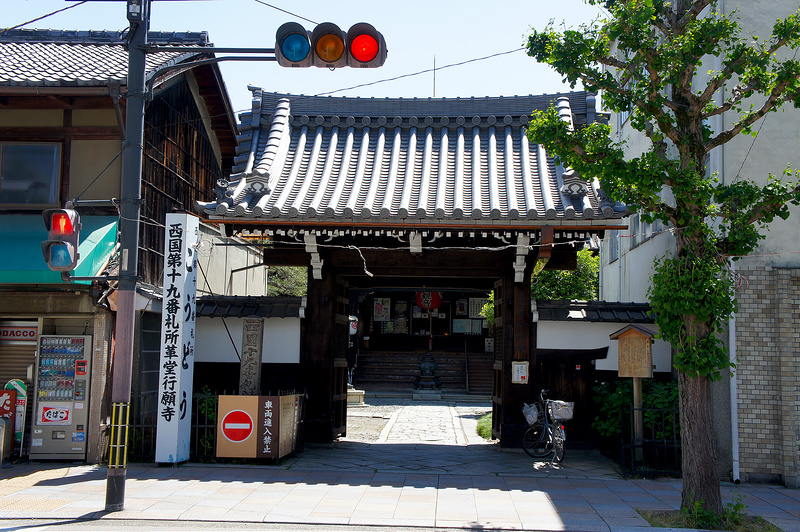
x=327 y=46
x=60 y=250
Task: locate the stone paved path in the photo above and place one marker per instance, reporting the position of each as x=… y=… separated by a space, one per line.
x=426 y=470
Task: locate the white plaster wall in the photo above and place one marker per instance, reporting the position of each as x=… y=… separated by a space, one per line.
x=213 y=343
x=218 y=262
x=594 y=335
x=628 y=277
x=776 y=144
x=281 y=340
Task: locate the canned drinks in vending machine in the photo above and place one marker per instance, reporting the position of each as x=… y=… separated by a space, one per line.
x=61 y=411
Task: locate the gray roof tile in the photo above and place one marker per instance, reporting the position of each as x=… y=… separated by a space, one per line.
x=243 y=306
x=306 y=159
x=31 y=58
x=594 y=311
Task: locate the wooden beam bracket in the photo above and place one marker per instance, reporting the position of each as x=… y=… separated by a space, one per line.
x=523 y=248
x=415 y=243
x=316 y=260
x=545 y=248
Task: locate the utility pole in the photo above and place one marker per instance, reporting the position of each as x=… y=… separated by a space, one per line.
x=138 y=12
x=367 y=50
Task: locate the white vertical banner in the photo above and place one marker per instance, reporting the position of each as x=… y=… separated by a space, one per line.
x=176 y=365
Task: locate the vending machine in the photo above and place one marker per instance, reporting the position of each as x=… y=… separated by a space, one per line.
x=61 y=394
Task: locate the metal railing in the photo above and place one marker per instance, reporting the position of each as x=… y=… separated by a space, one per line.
x=144 y=415
x=658 y=452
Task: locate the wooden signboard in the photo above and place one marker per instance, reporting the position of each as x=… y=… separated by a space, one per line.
x=635 y=354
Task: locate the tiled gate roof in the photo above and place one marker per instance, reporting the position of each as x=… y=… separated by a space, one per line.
x=306 y=159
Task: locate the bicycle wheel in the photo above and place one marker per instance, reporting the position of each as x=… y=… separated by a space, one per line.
x=558 y=442
x=535 y=442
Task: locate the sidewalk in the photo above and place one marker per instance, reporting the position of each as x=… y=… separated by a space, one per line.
x=415 y=474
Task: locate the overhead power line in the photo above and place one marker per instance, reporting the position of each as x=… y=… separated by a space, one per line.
x=420 y=72
x=43 y=16
x=284 y=11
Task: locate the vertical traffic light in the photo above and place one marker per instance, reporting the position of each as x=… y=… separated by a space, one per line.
x=60 y=250
x=327 y=46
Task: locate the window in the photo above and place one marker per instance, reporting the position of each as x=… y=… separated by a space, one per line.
x=635 y=230
x=29 y=173
x=622 y=117
x=613 y=246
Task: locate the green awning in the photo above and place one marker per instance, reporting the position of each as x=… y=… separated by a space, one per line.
x=21 y=238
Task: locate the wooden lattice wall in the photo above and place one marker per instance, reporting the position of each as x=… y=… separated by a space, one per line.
x=179 y=167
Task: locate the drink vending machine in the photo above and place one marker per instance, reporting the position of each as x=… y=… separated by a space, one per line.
x=61 y=394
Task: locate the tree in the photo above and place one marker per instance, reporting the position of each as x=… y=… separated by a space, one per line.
x=581 y=283
x=646 y=57
x=287 y=281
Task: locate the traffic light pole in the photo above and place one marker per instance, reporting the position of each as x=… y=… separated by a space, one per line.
x=138 y=13
x=129 y=255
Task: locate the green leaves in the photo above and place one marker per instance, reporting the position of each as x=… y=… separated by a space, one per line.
x=691 y=296
x=582 y=283
x=645 y=58
x=745 y=208
x=614 y=399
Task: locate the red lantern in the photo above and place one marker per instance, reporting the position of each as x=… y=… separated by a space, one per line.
x=429 y=300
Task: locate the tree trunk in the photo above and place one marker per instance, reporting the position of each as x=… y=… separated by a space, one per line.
x=700 y=480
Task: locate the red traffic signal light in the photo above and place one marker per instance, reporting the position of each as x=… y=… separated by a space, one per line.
x=328 y=46
x=60 y=250
x=366 y=45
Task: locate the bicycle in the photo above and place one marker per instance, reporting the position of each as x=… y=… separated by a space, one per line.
x=546 y=434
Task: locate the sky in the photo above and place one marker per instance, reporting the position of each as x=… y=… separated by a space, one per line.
x=418 y=34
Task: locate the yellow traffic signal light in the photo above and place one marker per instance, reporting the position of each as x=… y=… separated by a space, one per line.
x=328 y=46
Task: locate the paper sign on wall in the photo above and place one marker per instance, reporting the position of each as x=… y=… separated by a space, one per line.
x=519 y=372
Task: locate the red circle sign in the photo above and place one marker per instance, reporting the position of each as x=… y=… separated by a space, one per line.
x=237 y=426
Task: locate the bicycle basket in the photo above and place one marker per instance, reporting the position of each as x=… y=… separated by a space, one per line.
x=562 y=409
x=531 y=412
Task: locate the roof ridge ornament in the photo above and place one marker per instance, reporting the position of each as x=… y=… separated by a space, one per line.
x=574 y=187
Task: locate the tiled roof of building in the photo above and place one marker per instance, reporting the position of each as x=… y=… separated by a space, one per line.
x=40 y=58
x=245 y=307
x=461 y=160
x=606 y=311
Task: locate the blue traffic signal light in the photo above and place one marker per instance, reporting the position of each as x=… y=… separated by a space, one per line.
x=327 y=46
x=60 y=250
x=295 y=47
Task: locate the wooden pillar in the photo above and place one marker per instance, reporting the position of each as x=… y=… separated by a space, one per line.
x=517 y=348
x=316 y=357
x=638 y=419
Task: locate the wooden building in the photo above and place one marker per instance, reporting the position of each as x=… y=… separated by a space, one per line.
x=400 y=196
x=62 y=129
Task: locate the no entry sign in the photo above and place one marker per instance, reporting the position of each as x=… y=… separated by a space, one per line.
x=237 y=426
x=257 y=426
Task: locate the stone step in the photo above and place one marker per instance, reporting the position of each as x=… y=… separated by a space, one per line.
x=400 y=369
x=481 y=373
